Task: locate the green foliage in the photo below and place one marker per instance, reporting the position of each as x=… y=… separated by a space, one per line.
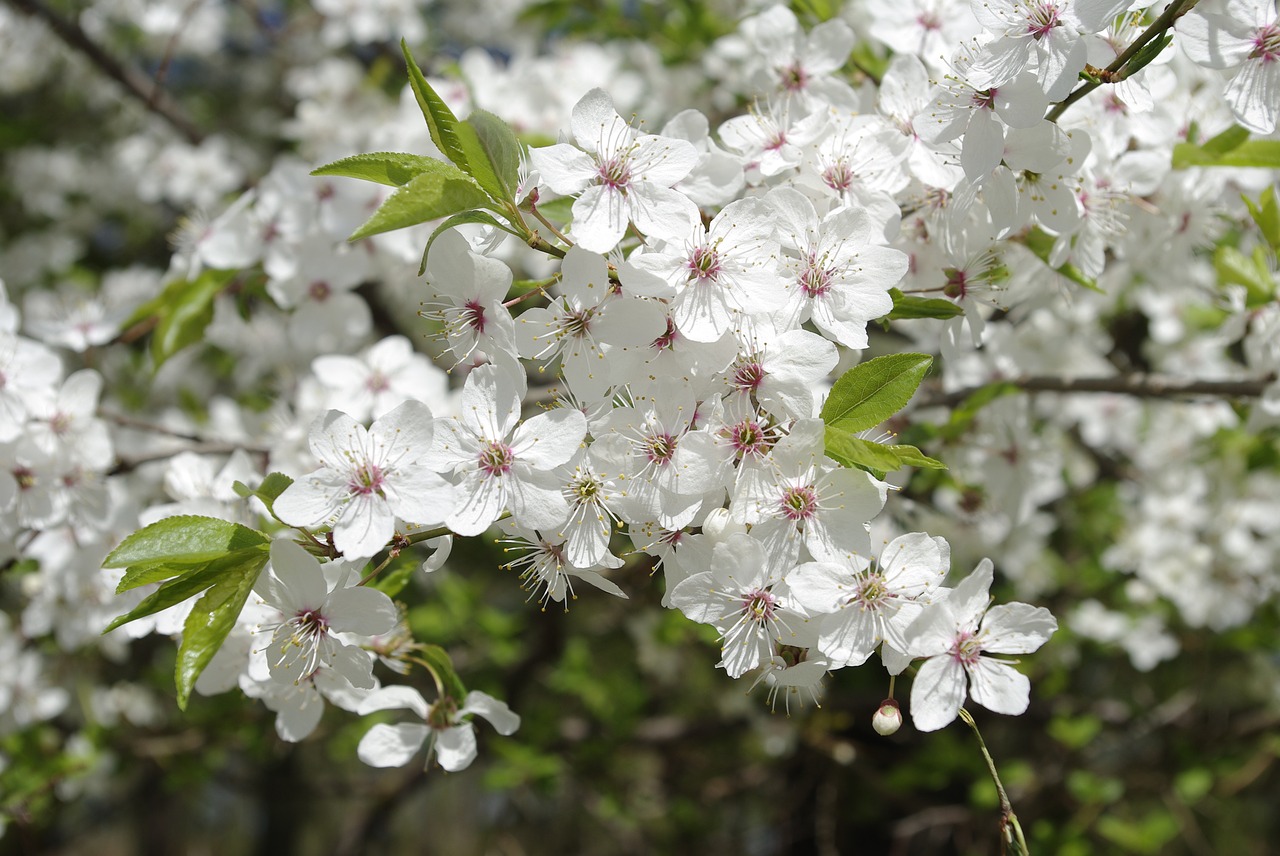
x=1266 y=214
x=393 y=169
x=437 y=192
x=1253 y=272
x=180 y=313
x=1230 y=148
x=1041 y=243
x=268 y=491
x=191 y=555
x=441 y=123
x=909 y=306
x=871 y=392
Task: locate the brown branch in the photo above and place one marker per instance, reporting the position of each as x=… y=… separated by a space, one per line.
x=1139 y=385
x=128 y=464
x=134 y=82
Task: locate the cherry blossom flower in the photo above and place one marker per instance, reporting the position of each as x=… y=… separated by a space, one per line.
x=1246 y=37
x=368 y=478
x=954 y=633
x=448 y=729
x=623 y=178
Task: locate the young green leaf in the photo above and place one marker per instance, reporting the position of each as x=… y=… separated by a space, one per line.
x=910 y=456
x=1230 y=148
x=189 y=583
x=1266 y=213
x=1041 y=243
x=441 y=667
x=493 y=153
x=851 y=451
x=1235 y=268
x=428 y=196
x=183 y=540
x=182 y=312
x=441 y=122
x=268 y=490
x=906 y=306
x=213 y=616
x=870 y=393
x=390 y=168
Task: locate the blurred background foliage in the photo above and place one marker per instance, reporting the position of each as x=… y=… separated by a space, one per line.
x=631 y=742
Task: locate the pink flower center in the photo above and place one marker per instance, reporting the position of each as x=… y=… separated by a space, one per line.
x=794 y=77
x=1042 y=20
x=815 y=280
x=838 y=176
x=748 y=438
x=615 y=173
x=984 y=99
x=496 y=459
x=667 y=339
x=25 y=477
x=660 y=448
x=957 y=284
x=872 y=593
x=966 y=649
x=758 y=605
x=748 y=376
x=1266 y=44
x=378 y=382
x=367 y=479
x=799 y=503
x=473 y=315
x=704 y=265
x=929 y=20
x=319 y=291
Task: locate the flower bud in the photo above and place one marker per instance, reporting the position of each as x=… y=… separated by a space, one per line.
x=888 y=718
x=718 y=526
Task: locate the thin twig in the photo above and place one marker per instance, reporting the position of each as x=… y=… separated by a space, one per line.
x=1138 y=385
x=170 y=48
x=134 y=83
x=1175 y=10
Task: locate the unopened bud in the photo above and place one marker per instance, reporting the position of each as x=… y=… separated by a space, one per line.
x=719 y=525
x=888 y=718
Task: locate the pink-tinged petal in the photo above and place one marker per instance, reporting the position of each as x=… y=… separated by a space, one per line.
x=999 y=686
x=360 y=610
x=563 y=168
x=391 y=745
x=302 y=585
x=937 y=693
x=1016 y=628
x=456 y=747
x=365 y=527
x=499 y=715
x=550 y=439
x=600 y=218
x=396 y=697
x=421 y=497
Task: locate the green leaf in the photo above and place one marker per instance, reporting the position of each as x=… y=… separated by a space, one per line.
x=268 y=490
x=390 y=168
x=183 y=540
x=907 y=306
x=189 y=583
x=428 y=196
x=1235 y=268
x=465 y=217
x=213 y=616
x=441 y=122
x=1266 y=213
x=870 y=393
x=963 y=415
x=1041 y=243
x=393 y=580
x=493 y=152
x=141 y=575
x=442 y=667
x=851 y=451
x=912 y=457
x=182 y=312
x=1230 y=148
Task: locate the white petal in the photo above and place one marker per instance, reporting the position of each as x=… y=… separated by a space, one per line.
x=999 y=686
x=456 y=747
x=937 y=693
x=391 y=745
x=499 y=715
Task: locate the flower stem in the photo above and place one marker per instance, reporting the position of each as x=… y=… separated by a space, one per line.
x=1010 y=829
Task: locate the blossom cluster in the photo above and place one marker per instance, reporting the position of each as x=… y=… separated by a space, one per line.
x=659 y=388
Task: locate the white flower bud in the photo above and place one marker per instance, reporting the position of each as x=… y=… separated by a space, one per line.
x=718 y=526
x=888 y=718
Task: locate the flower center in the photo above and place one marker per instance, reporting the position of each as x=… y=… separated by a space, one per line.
x=319 y=291
x=794 y=77
x=660 y=448
x=966 y=649
x=1266 y=44
x=815 y=280
x=872 y=593
x=366 y=479
x=957 y=284
x=472 y=315
x=839 y=175
x=667 y=339
x=984 y=99
x=615 y=173
x=378 y=382
x=748 y=376
x=1042 y=20
x=799 y=503
x=758 y=605
x=496 y=459
x=748 y=437
x=704 y=265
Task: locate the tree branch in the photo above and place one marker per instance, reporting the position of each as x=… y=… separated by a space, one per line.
x=132 y=80
x=1139 y=385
